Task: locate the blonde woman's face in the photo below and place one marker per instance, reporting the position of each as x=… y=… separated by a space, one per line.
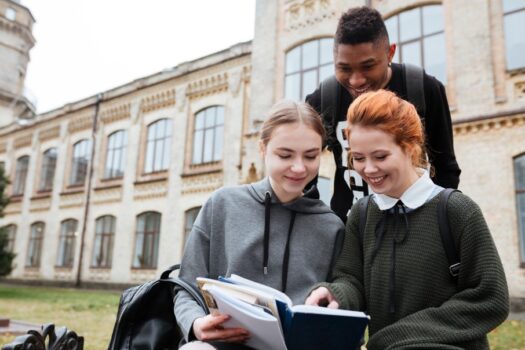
x=292 y=159
x=381 y=162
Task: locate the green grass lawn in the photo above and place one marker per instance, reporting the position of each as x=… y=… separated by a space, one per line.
x=92 y=315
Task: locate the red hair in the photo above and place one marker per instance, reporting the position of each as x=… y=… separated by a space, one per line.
x=387 y=112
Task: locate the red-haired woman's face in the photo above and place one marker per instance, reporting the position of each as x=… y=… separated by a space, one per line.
x=381 y=162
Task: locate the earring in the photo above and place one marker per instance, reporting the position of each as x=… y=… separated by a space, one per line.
x=390 y=64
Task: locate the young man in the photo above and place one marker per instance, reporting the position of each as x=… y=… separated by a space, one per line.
x=363 y=62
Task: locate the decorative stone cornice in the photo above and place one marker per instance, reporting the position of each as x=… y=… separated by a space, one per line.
x=23 y=141
x=306 y=13
x=150 y=190
x=115 y=113
x=49 y=133
x=18 y=29
x=157 y=101
x=489 y=124
x=79 y=123
x=205 y=183
x=71 y=200
x=208 y=86
x=40 y=204
x=107 y=195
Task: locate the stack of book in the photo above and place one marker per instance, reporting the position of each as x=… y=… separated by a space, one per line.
x=275 y=323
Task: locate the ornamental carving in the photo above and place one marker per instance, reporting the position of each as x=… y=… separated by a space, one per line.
x=107 y=195
x=208 y=86
x=306 y=13
x=157 y=101
x=181 y=97
x=150 y=190
x=23 y=141
x=79 y=123
x=519 y=90
x=204 y=183
x=113 y=114
x=490 y=124
x=40 y=204
x=71 y=200
x=49 y=133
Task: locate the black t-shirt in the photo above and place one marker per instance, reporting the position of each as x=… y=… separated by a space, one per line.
x=348 y=185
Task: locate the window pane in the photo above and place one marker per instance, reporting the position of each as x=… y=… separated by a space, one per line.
x=197 y=147
x=521 y=220
x=327 y=51
x=391 y=28
x=210 y=117
x=310 y=54
x=510 y=5
x=515 y=40
x=20 y=175
x=412 y=53
x=208 y=146
x=293 y=63
x=309 y=83
x=519 y=171
x=325 y=72
x=410 y=25
x=159 y=155
x=199 y=120
x=432 y=19
x=148 y=164
x=292 y=84
x=434 y=51
x=217 y=155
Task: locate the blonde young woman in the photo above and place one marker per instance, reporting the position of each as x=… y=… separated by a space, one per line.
x=270 y=231
x=398 y=270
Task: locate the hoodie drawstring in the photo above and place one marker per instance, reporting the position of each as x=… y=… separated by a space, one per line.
x=286 y=258
x=267 y=203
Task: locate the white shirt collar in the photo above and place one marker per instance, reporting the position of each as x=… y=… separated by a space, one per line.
x=414 y=197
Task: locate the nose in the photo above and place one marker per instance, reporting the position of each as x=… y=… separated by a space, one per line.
x=369 y=167
x=298 y=166
x=357 y=79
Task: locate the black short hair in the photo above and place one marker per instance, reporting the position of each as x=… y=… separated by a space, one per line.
x=360 y=25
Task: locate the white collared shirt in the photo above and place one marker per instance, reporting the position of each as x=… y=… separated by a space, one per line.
x=415 y=196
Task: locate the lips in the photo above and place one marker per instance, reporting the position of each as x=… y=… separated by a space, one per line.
x=360 y=90
x=295 y=179
x=375 y=180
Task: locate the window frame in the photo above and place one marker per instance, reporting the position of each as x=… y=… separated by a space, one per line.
x=189 y=214
x=113 y=151
x=102 y=253
x=21 y=170
x=67 y=243
x=204 y=129
x=48 y=170
x=152 y=255
x=10 y=231
x=504 y=15
x=518 y=193
x=76 y=177
x=163 y=140
x=34 y=245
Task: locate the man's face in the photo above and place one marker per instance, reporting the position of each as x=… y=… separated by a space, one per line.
x=363 y=67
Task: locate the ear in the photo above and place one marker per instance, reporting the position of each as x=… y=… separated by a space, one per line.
x=391 y=52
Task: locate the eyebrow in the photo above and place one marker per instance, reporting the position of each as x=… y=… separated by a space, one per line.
x=291 y=150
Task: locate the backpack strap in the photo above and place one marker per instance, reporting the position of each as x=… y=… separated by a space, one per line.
x=414 y=77
x=446 y=236
x=330 y=101
x=182 y=284
x=363 y=209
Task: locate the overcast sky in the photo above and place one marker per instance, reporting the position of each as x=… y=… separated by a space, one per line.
x=88 y=46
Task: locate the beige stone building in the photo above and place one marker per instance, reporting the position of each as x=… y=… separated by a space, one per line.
x=105 y=189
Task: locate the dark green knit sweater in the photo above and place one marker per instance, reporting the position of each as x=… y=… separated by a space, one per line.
x=427 y=309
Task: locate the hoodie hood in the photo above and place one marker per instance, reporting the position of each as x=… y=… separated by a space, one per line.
x=307 y=204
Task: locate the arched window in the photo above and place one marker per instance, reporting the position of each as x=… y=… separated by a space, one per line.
x=19 y=186
x=66 y=243
x=47 y=173
x=103 y=244
x=519 y=175
x=189 y=218
x=10 y=231
x=306 y=66
x=147 y=240
x=79 y=162
x=116 y=154
x=419 y=35
x=158 y=146
x=34 y=248
x=514 y=17
x=208 y=135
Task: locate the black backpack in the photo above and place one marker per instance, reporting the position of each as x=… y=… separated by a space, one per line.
x=444 y=229
x=146 y=319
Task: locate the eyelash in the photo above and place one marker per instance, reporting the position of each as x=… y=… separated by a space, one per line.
x=288 y=157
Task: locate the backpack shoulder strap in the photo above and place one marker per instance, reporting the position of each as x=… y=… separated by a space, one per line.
x=330 y=101
x=446 y=236
x=363 y=209
x=414 y=76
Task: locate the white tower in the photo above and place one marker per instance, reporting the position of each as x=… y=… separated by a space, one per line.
x=16 y=40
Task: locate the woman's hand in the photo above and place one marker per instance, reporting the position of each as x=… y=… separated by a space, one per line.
x=322 y=297
x=209 y=328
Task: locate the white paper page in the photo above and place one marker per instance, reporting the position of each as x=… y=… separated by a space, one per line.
x=265 y=332
x=277 y=294
x=309 y=309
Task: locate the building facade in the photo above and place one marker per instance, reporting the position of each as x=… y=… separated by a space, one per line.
x=104 y=190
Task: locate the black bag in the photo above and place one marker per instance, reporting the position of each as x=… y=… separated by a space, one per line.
x=145 y=318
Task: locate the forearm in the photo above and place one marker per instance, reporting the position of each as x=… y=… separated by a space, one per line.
x=186 y=312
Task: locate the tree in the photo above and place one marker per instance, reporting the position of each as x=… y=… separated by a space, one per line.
x=6 y=256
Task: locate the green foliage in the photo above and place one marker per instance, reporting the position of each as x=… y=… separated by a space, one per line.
x=6 y=257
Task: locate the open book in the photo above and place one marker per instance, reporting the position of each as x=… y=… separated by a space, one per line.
x=275 y=323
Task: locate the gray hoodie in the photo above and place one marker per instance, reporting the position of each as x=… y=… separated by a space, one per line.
x=228 y=237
